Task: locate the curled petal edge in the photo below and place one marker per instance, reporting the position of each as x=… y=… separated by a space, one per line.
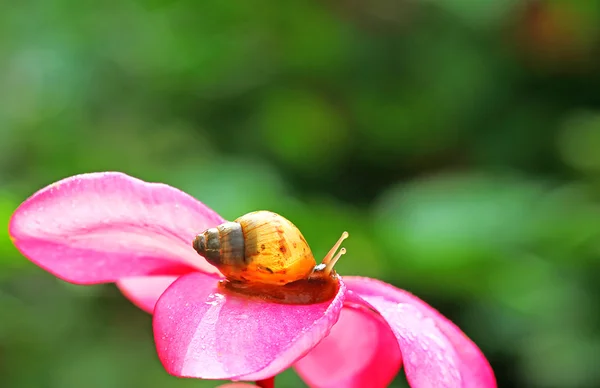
x=145 y=291
x=360 y=351
x=413 y=319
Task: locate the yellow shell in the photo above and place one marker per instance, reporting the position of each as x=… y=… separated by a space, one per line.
x=274 y=250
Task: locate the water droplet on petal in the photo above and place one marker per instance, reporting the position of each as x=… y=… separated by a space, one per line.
x=413 y=358
x=214 y=299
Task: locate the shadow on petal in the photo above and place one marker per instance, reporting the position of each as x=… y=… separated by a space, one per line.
x=203 y=333
x=360 y=351
x=435 y=351
x=99 y=227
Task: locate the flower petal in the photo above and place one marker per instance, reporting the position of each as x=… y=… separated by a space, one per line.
x=435 y=351
x=99 y=227
x=203 y=333
x=237 y=385
x=360 y=351
x=144 y=291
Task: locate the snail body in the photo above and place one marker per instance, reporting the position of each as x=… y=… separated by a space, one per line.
x=263 y=254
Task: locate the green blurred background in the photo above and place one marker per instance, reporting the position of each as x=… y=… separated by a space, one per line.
x=457 y=141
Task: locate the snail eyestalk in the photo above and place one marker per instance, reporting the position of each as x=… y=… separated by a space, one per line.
x=332 y=257
x=329 y=266
x=331 y=253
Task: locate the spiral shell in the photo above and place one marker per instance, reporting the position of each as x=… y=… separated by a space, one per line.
x=261 y=247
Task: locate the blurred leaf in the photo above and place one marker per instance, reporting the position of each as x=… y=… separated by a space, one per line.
x=452 y=219
x=482 y=15
x=231 y=186
x=580 y=141
x=560 y=359
x=537 y=290
x=453 y=229
x=519 y=136
x=302 y=129
x=445 y=80
x=311 y=38
x=567 y=226
x=10 y=258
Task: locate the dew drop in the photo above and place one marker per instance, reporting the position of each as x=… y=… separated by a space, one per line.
x=410 y=335
x=413 y=358
x=214 y=299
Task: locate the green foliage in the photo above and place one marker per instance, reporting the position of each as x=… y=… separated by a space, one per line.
x=457 y=141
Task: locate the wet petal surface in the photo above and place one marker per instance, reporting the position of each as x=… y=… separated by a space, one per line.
x=435 y=352
x=201 y=332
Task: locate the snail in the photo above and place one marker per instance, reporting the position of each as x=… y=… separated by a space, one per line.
x=262 y=254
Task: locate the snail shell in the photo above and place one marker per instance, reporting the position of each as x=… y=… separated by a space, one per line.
x=260 y=247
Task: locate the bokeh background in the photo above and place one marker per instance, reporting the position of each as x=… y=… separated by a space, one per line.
x=458 y=141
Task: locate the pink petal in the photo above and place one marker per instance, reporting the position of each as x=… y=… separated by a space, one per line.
x=360 y=351
x=144 y=291
x=237 y=385
x=203 y=333
x=435 y=351
x=100 y=227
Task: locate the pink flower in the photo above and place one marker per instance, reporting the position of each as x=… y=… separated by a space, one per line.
x=110 y=227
